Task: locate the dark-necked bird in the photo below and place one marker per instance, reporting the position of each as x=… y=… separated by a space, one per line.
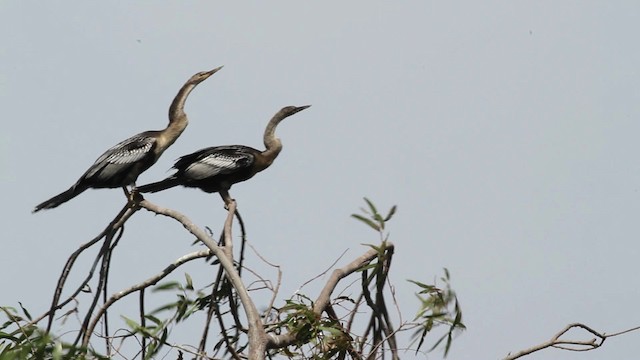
x=121 y=165
x=215 y=169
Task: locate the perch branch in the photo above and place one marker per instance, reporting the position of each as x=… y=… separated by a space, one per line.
x=257 y=335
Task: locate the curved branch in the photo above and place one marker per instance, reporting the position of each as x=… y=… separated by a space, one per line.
x=120 y=219
x=557 y=343
x=257 y=334
x=322 y=302
x=143 y=285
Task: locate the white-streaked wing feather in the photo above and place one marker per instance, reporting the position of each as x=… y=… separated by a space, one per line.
x=129 y=150
x=217 y=163
x=128 y=156
x=121 y=155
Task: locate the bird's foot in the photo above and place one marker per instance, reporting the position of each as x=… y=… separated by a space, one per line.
x=133 y=197
x=228 y=202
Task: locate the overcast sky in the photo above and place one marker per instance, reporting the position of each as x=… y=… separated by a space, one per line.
x=506 y=133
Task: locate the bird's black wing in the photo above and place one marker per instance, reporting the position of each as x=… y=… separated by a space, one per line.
x=209 y=162
x=121 y=157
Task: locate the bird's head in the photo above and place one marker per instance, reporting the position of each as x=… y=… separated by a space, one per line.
x=202 y=76
x=290 y=110
x=270 y=140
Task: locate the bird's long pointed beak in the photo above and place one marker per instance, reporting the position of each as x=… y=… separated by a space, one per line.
x=202 y=76
x=215 y=70
x=300 y=108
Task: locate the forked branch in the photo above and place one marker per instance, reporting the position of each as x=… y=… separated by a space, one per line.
x=571 y=345
x=322 y=303
x=256 y=332
x=141 y=286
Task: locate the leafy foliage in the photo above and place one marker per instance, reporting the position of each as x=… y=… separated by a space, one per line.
x=20 y=339
x=355 y=324
x=436 y=310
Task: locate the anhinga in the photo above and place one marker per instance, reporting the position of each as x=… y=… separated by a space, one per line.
x=215 y=169
x=121 y=165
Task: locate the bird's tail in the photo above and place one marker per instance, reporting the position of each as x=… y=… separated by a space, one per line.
x=159 y=186
x=61 y=198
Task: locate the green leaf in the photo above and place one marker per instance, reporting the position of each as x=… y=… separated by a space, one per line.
x=168 y=286
x=422 y=337
x=57 y=351
x=26 y=313
x=379 y=219
x=189 y=281
x=132 y=324
x=331 y=330
x=392 y=211
x=371 y=206
x=372 y=224
x=422 y=285
x=153 y=319
x=366 y=267
x=448 y=346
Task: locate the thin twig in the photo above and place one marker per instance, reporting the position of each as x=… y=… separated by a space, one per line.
x=276 y=290
x=556 y=342
x=323 y=300
x=257 y=334
x=125 y=213
x=243 y=237
x=333 y=264
x=143 y=285
x=143 y=323
x=104 y=267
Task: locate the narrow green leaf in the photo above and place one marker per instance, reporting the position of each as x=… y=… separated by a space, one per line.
x=331 y=330
x=392 y=211
x=422 y=285
x=374 y=247
x=438 y=342
x=373 y=225
x=379 y=219
x=57 y=351
x=168 y=286
x=422 y=337
x=153 y=319
x=448 y=346
x=26 y=313
x=366 y=267
x=132 y=324
x=371 y=206
x=189 y=281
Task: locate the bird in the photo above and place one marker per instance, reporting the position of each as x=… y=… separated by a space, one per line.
x=216 y=169
x=121 y=165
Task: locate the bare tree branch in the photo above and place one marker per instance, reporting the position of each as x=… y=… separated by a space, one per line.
x=577 y=345
x=120 y=219
x=143 y=285
x=257 y=334
x=324 y=299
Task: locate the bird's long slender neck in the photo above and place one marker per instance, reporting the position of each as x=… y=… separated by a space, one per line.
x=178 y=120
x=272 y=144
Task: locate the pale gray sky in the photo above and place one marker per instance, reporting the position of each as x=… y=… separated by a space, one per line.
x=506 y=133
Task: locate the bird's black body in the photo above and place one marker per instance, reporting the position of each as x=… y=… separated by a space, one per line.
x=121 y=165
x=212 y=169
x=216 y=169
